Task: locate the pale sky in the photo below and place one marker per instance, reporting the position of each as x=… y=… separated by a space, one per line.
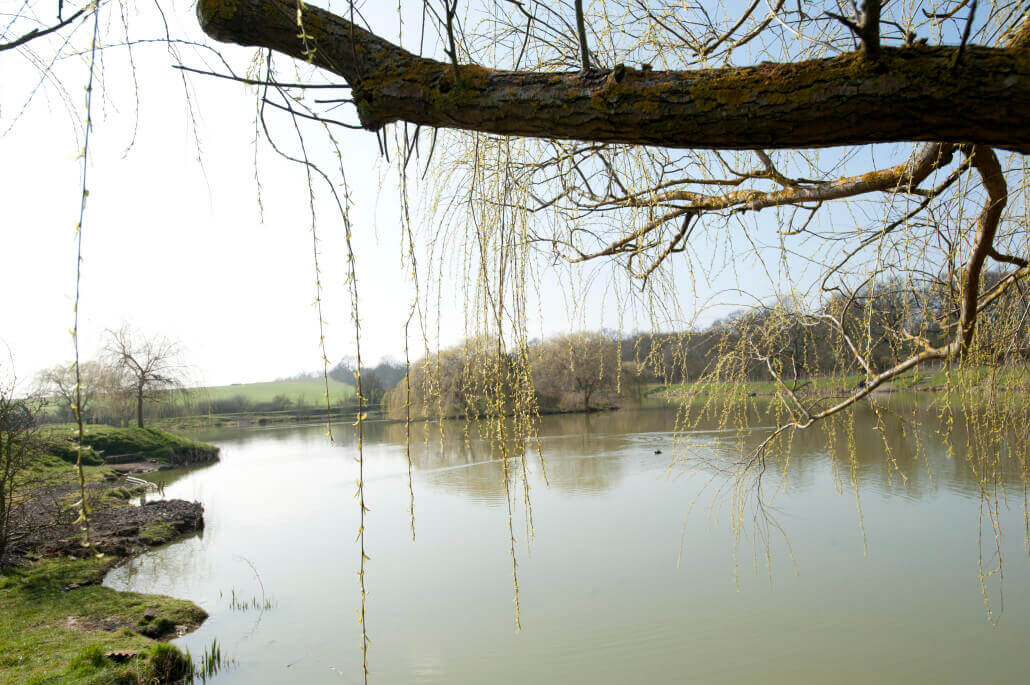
x=177 y=249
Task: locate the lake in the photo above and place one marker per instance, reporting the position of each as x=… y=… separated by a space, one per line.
x=617 y=584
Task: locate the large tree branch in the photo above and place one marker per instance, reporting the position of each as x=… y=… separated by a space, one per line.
x=902 y=177
x=986 y=163
x=907 y=94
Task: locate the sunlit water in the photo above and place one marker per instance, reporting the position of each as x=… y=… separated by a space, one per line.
x=602 y=597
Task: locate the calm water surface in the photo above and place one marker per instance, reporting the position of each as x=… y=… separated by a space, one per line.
x=602 y=597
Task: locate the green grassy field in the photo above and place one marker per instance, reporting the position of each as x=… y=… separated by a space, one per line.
x=310 y=392
x=1011 y=378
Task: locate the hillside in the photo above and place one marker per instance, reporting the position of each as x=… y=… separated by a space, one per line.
x=303 y=393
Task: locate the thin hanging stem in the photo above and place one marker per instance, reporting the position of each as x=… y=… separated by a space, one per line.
x=84 y=516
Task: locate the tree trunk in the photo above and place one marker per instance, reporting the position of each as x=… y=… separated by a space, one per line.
x=139 y=407
x=906 y=94
x=4 y=519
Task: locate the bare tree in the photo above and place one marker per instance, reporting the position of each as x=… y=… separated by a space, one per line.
x=20 y=446
x=152 y=366
x=97 y=380
x=584 y=364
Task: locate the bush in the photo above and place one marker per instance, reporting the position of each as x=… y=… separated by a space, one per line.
x=89 y=659
x=21 y=449
x=166 y=664
x=120 y=493
x=232 y=405
x=159 y=532
x=157 y=628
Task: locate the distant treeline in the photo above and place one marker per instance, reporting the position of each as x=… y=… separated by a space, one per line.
x=863 y=332
x=577 y=372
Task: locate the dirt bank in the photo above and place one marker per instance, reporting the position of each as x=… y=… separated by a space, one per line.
x=127 y=530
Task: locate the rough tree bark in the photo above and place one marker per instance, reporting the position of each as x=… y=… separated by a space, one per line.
x=139 y=406
x=905 y=94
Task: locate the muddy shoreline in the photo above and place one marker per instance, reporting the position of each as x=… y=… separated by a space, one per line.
x=129 y=530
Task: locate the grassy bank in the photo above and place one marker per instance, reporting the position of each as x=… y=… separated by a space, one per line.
x=57 y=624
x=107 y=444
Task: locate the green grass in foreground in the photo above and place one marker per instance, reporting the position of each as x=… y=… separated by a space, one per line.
x=57 y=622
x=310 y=392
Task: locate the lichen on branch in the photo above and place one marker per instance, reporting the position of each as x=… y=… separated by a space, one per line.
x=907 y=94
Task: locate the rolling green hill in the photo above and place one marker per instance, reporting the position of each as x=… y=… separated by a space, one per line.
x=305 y=393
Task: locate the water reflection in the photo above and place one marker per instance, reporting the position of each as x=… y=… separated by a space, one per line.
x=900 y=450
x=574 y=459
x=603 y=600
